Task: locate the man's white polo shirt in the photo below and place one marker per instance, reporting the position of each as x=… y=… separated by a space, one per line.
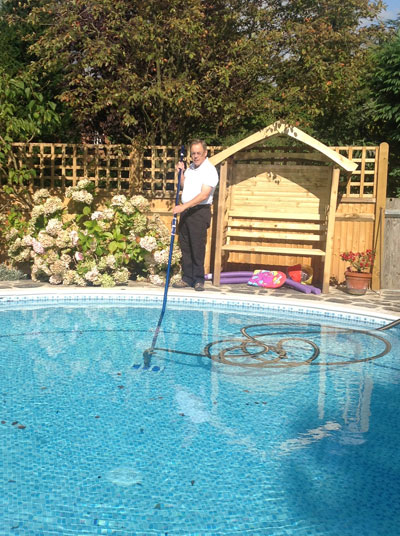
x=196 y=177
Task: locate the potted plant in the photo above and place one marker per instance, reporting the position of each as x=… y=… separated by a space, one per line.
x=358 y=274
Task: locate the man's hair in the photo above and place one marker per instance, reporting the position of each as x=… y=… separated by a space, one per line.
x=199 y=142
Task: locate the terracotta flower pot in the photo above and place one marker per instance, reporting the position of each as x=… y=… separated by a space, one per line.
x=357 y=282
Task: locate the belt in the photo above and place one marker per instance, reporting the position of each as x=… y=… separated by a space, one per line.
x=197 y=207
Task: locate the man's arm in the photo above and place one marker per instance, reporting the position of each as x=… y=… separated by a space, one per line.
x=202 y=196
x=181 y=167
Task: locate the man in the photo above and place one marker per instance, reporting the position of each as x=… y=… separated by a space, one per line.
x=199 y=182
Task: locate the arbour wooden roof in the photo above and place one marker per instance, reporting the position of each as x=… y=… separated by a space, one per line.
x=279 y=127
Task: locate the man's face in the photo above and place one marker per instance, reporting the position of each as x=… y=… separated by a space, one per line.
x=198 y=154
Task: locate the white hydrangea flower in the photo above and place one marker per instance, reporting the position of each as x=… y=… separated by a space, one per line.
x=108 y=214
x=40 y=195
x=37 y=247
x=54 y=227
x=155 y=279
x=55 y=279
x=105 y=281
x=15 y=246
x=23 y=255
x=46 y=240
x=66 y=259
x=52 y=205
x=111 y=261
x=78 y=280
x=118 y=200
x=58 y=267
x=176 y=256
x=83 y=183
x=52 y=256
x=104 y=225
x=139 y=222
x=121 y=276
x=82 y=196
x=41 y=266
x=149 y=243
x=128 y=208
x=69 y=277
x=97 y=215
x=63 y=240
x=161 y=257
x=11 y=235
x=37 y=211
x=27 y=240
x=140 y=202
x=74 y=237
x=92 y=275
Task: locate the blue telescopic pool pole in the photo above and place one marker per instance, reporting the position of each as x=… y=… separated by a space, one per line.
x=149 y=352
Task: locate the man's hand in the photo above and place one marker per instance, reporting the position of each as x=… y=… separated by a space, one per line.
x=178 y=209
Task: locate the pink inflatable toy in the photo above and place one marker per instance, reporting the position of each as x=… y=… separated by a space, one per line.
x=267 y=279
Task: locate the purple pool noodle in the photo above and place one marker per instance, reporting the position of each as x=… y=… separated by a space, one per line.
x=297 y=286
x=231 y=275
x=314 y=290
x=232 y=280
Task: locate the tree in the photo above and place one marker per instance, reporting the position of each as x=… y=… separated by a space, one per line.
x=153 y=69
x=384 y=106
x=14 y=38
x=24 y=114
x=323 y=61
x=154 y=72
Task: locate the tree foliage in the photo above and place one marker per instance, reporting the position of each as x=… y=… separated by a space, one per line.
x=154 y=71
x=24 y=114
x=385 y=103
x=323 y=61
x=159 y=72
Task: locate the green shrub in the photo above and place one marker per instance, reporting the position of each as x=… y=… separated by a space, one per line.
x=89 y=245
x=10 y=274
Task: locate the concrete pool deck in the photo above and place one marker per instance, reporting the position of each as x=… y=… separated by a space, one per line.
x=385 y=302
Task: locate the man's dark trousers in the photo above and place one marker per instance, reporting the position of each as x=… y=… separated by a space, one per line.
x=193 y=226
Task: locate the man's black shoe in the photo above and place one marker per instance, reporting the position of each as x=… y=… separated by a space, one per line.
x=181 y=284
x=199 y=286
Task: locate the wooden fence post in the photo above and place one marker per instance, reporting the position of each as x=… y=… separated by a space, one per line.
x=330 y=228
x=380 y=206
x=220 y=223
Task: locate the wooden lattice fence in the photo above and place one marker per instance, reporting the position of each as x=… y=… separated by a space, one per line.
x=120 y=168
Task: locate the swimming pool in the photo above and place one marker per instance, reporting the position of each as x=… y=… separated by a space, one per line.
x=92 y=442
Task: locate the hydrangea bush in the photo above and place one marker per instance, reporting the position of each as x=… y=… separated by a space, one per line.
x=87 y=244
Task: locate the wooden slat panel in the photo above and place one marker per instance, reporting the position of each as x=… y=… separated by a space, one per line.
x=273 y=215
x=272 y=249
x=280 y=225
x=238 y=233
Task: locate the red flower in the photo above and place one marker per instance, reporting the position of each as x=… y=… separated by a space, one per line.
x=359 y=262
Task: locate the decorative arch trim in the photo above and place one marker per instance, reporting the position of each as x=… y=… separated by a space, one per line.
x=280 y=127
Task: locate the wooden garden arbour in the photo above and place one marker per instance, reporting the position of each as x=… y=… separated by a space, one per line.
x=274 y=211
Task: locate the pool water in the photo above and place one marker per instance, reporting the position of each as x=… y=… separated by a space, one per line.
x=93 y=442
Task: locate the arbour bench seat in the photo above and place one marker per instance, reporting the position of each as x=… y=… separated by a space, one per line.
x=284 y=228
